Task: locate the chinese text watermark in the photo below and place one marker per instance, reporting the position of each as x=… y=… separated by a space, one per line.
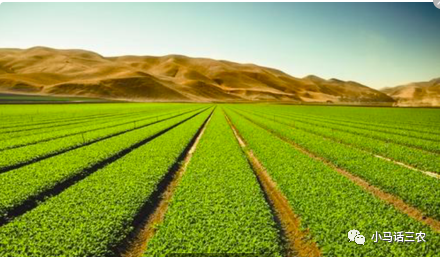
x=390 y=237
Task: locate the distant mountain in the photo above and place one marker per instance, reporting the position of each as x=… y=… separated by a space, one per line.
x=42 y=70
x=416 y=94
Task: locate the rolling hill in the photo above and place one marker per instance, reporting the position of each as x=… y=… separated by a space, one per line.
x=416 y=94
x=47 y=71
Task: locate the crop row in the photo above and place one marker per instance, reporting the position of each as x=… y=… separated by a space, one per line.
x=44 y=113
x=37 y=120
x=25 y=130
x=94 y=216
x=427 y=145
x=30 y=181
x=218 y=206
x=328 y=204
x=423 y=192
x=360 y=125
x=56 y=132
x=416 y=120
x=57 y=128
x=13 y=157
x=411 y=156
x=47 y=116
x=46 y=120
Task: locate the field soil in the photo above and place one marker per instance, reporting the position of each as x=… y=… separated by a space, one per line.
x=296 y=238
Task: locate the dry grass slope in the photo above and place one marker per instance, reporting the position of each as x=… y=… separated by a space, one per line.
x=416 y=94
x=42 y=70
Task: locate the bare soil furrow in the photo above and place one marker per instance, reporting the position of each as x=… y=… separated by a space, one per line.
x=398 y=203
x=155 y=209
x=296 y=238
x=33 y=202
x=62 y=151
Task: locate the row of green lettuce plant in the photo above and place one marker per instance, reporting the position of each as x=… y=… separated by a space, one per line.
x=58 y=129
x=420 y=120
x=95 y=216
x=328 y=204
x=413 y=119
x=418 y=143
x=423 y=192
x=415 y=157
x=45 y=116
x=30 y=181
x=355 y=124
x=218 y=206
x=74 y=139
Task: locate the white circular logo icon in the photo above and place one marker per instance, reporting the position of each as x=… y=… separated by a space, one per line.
x=359 y=239
x=355 y=235
x=352 y=234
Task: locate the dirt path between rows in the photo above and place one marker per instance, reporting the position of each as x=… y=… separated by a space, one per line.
x=377 y=192
x=296 y=239
x=428 y=173
x=139 y=244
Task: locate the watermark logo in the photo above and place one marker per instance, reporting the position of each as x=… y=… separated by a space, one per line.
x=355 y=235
x=398 y=237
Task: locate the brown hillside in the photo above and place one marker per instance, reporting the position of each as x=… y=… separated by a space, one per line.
x=416 y=94
x=42 y=70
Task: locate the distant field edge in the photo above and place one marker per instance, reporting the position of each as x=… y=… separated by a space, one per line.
x=26 y=98
x=13 y=98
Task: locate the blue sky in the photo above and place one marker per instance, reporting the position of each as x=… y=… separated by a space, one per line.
x=377 y=44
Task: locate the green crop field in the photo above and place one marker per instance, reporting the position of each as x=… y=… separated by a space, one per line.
x=144 y=179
